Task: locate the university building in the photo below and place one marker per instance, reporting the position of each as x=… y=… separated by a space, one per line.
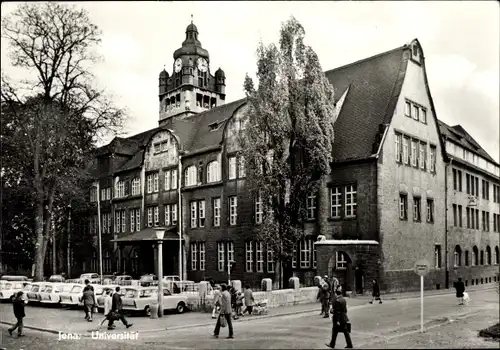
x=383 y=208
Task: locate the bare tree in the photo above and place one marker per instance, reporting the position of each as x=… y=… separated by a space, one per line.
x=59 y=121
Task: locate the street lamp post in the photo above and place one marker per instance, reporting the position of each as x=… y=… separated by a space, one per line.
x=160 y=232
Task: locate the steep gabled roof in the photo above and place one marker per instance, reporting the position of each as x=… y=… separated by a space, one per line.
x=374 y=86
x=460 y=136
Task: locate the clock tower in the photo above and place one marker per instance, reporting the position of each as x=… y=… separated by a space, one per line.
x=191 y=88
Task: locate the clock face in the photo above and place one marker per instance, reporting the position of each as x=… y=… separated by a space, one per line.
x=178 y=65
x=202 y=64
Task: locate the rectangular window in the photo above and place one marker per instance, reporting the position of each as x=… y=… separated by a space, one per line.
x=423 y=116
x=408 y=109
x=258 y=209
x=455 y=182
x=455 y=218
x=311 y=206
x=173 y=214
x=294 y=256
x=477 y=219
x=173 y=183
x=230 y=252
x=421 y=157
x=241 y=167
x=406 y=149
x=167 y=215
x=270 y=259
x=136 y=187
x=168 y=176
x=201 y=247
x=103 y=194
x=305 y=253
x=220 y=256
x=350 y=201
x=403 y=206
x=156 y=182
x=233 y=210
x=194 y=217
x=466 y=258
x=190 y=176
x=487 y=222
x=483 y=219
x=416 y=208
x=232 y=168
x=459 y=175
x=132 y=220
x=259 y=252
x=398 y=150
x=248 y=256
x=156 y=212
x=335 y=205
x=432 y=160
x=149 y=182
x=150 y=216
x=341 y=261
x=467 y=183
x=124 y=223
x=476 y=193
x=437 y=256
x=467 y=210
x=93 y=195
x=194 y=256
x=430 y=210
x=414 y=145
x=216 y=206
x=416 y=112
x=201 y=213
x=117 y=222
x=138 y=219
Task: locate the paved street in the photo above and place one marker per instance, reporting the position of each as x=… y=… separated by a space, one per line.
x=376 y=325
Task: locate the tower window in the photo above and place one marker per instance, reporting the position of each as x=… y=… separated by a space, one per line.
x=199 y=100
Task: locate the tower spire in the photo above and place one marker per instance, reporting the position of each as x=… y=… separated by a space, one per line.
x=191 y=18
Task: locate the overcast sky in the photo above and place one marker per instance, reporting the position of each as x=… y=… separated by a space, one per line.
x=460 y=42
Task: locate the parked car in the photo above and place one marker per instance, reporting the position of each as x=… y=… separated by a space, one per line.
x=92 y=277
x=71 y=294
x=57 y=278
x=34 y=294
x=148 y=280
x=121 y=280
x=171 y=278
x=14 y=278
x=9 y=289
x=51 y=294
x=139 y=299
x=108 y=279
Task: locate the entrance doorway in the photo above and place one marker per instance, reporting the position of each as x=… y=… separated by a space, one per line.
x=359 y=279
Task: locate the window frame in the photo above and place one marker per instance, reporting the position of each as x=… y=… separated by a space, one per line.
x=233 y=210
x=213 y=172
x=351 y=204
x=311 y=206
x=335 y=192
x=259 y=256
x=249 y=256
x=430 y=210
x=403 y=206
x=232 y=166
x=417 y=209
x=216 y=205
x=221 y=263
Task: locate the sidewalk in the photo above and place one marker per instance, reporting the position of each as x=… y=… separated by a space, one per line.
x=68 y=321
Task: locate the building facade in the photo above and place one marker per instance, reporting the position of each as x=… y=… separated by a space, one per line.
x=383 y=207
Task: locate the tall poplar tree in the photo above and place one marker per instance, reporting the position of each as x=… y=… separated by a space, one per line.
x=287 y=137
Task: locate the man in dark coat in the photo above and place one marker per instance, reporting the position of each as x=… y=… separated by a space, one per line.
x=89 y=302
x=116 y=308
x=340 y=320
x=375 y=292
x=18 y=303
x=460 y=288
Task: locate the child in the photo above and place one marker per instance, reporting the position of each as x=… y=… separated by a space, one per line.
x=108 y=302
x=239 y=304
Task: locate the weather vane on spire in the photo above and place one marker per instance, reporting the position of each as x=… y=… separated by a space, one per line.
x=191 y=18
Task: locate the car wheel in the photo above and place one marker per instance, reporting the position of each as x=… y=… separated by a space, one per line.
x=147 y=310
x=181 y=307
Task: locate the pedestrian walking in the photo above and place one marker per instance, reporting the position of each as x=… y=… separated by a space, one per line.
x=249 y=300
x=117 y=311
x=18 y=303
x=340 y=320
x=239 y=304
x=234 y=297
x=108 y=304
x=460 y=288
x=225 y=314
x=375 y=292
x=89 y=302
x=334 y=285
x=217 y=296
x=319 y=297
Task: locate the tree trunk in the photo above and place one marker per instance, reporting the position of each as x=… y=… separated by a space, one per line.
x=322 y=210
x=39 y=246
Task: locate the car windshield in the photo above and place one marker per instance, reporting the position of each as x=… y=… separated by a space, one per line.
x=36 y=288
x=48 y=289
x=76 y=289
x=66 y=288
x=7 y=286
x=27 y=288
x=147 y=293
x=130 y=293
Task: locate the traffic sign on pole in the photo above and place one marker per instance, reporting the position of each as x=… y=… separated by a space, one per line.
x=422 y=268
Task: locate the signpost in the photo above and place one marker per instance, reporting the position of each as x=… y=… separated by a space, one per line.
x=421 y=269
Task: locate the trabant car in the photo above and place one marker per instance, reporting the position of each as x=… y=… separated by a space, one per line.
x=121 y=280
x=148 y=280
x=50 y=295
x=92 y=277
x=14 y=278
x=139 y=299
x=10 y=289
x=73 y=295
x=57 y=279
x=34 y=294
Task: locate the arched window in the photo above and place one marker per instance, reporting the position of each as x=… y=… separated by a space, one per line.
x=497 y=257
x=475 y=256
x=457 y=256
x=481 y=260
x=488 y=255
x=213 y=171
x=190 y=176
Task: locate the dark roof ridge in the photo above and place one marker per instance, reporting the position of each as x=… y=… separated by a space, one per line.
x=365 y=59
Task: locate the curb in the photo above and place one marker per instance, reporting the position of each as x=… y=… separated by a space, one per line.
x=388 y=297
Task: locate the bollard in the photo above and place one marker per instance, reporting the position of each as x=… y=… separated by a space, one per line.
x=266 y=285
x=294 y=283
x=153 y=308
